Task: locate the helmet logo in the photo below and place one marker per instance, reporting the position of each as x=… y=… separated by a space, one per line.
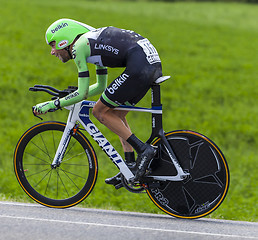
x=58 y=27
x=63 y=44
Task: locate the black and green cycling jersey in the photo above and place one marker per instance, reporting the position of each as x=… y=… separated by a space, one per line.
x=114 y=47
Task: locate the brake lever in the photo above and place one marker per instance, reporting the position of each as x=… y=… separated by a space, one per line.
x=50 y=110
x=35 y=114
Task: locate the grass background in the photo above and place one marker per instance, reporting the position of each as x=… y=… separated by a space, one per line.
x=209 y=49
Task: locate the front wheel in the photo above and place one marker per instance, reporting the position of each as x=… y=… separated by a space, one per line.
x=205 y=188
x=60 y=187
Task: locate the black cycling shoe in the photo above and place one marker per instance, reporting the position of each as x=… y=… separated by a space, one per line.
x=143 y=161
x=116 y=181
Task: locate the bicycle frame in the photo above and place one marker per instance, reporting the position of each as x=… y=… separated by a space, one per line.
x=80 y=112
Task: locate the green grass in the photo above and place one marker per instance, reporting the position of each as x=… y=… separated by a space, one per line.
x=210 y=49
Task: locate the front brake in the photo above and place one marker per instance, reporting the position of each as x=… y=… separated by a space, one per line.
x=50 y=110
x=33 y=108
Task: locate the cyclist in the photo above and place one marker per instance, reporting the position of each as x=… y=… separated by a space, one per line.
x=107 y=47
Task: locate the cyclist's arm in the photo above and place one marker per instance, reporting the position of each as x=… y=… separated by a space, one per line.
x=81 y=51
x=101 y=84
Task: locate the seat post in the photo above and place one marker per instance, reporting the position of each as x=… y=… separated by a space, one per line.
x=155 y=95
x=157 y=128
x=156 y=90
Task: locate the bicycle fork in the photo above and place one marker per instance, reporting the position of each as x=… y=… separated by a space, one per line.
x=63 y=145
x=66 y=137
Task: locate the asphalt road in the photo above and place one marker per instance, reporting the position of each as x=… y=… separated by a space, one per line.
x=35 y=222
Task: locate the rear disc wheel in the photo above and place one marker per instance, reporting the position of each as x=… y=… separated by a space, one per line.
x=204 y=190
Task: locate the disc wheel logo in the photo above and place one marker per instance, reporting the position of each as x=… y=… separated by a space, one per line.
x=63 y=43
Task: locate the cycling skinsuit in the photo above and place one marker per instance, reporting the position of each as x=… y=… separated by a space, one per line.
x=114 y=47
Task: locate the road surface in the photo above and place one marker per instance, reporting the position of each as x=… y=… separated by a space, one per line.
x=33 y=221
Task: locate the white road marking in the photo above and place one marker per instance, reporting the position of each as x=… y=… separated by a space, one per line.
x=126 y=227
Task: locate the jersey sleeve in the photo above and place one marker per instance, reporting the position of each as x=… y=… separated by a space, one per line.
x=81 y=50
x=101 y=83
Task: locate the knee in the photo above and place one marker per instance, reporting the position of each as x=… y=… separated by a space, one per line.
x=95 y=113
x=98 y=114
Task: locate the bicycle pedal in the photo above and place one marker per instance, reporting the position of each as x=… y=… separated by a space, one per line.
x=119 y=185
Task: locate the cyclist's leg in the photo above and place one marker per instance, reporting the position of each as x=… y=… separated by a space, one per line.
x=129 y=88
x=111 y=120
x=128 y=149
x=122 y=115
x=119 y=117
x=128 y=152
x=116 y=122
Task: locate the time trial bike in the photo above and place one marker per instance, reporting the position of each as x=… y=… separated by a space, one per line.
x=56 y=165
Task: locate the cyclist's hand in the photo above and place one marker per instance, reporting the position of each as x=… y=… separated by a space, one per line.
x=42 y=108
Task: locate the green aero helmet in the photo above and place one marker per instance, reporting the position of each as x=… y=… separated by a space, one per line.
x=64 y=31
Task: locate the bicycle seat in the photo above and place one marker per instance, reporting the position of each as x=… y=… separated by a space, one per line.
x=161 y=79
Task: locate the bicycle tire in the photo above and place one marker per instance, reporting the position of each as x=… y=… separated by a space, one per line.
x=61 y=187
x=206 y=187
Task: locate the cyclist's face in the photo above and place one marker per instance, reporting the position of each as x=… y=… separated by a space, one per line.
x=62 y=54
